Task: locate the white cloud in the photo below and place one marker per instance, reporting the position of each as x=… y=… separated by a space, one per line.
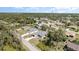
x=19 y=7
x=66 y=10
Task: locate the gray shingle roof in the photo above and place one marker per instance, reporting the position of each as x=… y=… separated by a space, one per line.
x=38 y=33
x=73 y=46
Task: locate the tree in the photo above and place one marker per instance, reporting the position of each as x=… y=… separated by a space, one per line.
x=44 y=27
x=77 y=23
x=56 y=35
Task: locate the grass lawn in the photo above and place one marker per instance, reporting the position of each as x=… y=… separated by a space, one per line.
x=27 y=36
x=9 y=48
x=58 y=46
x=42 y=46
x=25 y=47
x=77 y=39
x=22 y=30
x=77 y=36
x=34 y=41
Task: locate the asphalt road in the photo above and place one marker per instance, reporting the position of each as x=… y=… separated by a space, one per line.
x=25 y=42
x=30 y=46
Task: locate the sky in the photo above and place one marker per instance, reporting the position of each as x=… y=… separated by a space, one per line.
x=39 y=6
x=39 y=9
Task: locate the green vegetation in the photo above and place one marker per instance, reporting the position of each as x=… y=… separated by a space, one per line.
x=34 y=41
x=54 y=40
x=8 y=41
x=42 y=46
x=8 y=23
x=44 y=27
x=55 y=35
x=76 y=41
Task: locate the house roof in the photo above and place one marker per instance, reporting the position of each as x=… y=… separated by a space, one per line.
x=39 y=32
x=68 y=32
x=73 y=46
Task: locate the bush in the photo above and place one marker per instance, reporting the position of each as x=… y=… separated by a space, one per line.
x=42 y=46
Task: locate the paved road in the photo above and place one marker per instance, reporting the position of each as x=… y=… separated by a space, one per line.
x=30 y=38
x=25 y=42
x=28 y=33
x=30 y=46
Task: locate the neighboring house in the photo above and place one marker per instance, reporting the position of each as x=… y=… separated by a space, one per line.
x=69 y=33
x=72 y=46
x=39 y=25
x=44 y=18
x=59 y=23
x=73 y=27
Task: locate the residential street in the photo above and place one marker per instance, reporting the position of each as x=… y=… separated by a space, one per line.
x=25 y=42
x=30 y=46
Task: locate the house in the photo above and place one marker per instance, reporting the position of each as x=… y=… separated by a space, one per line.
x=72 y=27
x=72 y=46
x=69 y=33
x=33 y=32
x=44 y=18
x=41 y=34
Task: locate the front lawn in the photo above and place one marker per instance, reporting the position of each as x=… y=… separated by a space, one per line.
x=34 y=41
